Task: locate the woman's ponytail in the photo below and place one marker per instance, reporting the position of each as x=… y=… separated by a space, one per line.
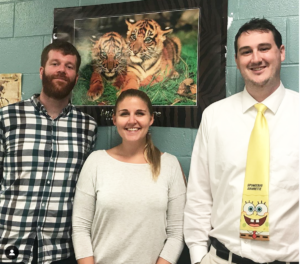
x=152 y=155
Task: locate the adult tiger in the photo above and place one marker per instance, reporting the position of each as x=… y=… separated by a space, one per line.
x=109 y=62
x=152 y=55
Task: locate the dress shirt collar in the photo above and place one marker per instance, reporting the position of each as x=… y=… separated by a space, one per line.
x=41 y=108
x=272 y=102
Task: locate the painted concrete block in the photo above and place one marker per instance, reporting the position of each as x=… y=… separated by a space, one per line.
x=185 y=164
x=239 y=82
x=22 y=55
x=292 y=44
x=193 y=137
x=31 y=84
x=115 y=138
x=230 y=81
x=103 y=138
x=255 y=8
x=281 y=24
x=290 y=77
x=176 y=141
x=36 y=17
x=47 y=40
x=194 y=133
x=233 y=9
x=6 y=20
x=235 y=25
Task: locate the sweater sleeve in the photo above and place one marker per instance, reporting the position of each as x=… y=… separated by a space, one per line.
x=84 y=208
x=176 y=202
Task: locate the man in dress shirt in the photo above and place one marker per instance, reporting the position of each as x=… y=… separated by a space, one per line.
x=43 y=143
x=217 y=173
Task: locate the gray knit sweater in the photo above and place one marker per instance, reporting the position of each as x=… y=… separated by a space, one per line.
x=122 y=216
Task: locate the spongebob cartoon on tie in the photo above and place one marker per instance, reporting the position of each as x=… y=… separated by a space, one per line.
x=255 y=224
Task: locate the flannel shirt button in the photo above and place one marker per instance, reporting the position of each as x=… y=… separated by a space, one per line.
x=48 y=182
x=43 y=204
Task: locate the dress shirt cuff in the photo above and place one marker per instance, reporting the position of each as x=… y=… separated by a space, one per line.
x=197 y=253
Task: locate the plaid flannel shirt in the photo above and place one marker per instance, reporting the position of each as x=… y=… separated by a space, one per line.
x=40 y=161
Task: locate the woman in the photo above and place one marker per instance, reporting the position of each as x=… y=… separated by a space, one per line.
x=129 y=200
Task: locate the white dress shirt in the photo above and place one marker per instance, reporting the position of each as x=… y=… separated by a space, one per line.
x=217 y=173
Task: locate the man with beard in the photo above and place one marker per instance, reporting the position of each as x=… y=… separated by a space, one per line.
x=44 y=142
x=243 y=188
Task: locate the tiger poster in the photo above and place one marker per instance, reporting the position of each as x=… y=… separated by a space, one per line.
x=154 y=52
x=10 y=88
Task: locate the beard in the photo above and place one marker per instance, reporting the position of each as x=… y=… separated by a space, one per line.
x=259 y=84
x=268 y=81
x=58 y=89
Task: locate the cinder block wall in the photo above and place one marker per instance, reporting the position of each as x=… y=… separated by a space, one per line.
x=26 y=26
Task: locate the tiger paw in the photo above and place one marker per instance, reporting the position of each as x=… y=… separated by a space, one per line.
x=95 y=91
x=174 y=75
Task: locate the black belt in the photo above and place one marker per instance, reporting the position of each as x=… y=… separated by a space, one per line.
x=223 y=253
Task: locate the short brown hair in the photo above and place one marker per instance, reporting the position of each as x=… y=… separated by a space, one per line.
x=65 y=47
x=261 y=24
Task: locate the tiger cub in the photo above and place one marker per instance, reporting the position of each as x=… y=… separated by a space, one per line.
x=152 y=55
x=108 y=61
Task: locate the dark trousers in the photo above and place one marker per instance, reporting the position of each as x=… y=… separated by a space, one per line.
x=70 y=260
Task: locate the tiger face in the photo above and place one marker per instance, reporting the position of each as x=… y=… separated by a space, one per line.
x=109 y=61
x=145 y=39
x=109 y=55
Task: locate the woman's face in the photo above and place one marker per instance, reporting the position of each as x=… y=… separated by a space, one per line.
x=133 y=119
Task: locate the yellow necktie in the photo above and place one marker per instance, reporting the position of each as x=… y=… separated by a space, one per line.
x=254 y=223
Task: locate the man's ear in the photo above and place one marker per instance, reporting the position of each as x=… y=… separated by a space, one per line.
x=77 y=76
x=41 y=72
x=236 y=61
x=282 y=52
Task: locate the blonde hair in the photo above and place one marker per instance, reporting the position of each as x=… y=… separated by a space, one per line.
x=152 y=153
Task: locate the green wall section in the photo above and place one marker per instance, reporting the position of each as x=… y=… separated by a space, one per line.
x=26 y=26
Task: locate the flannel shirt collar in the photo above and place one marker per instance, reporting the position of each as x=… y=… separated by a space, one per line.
x=41 y=108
